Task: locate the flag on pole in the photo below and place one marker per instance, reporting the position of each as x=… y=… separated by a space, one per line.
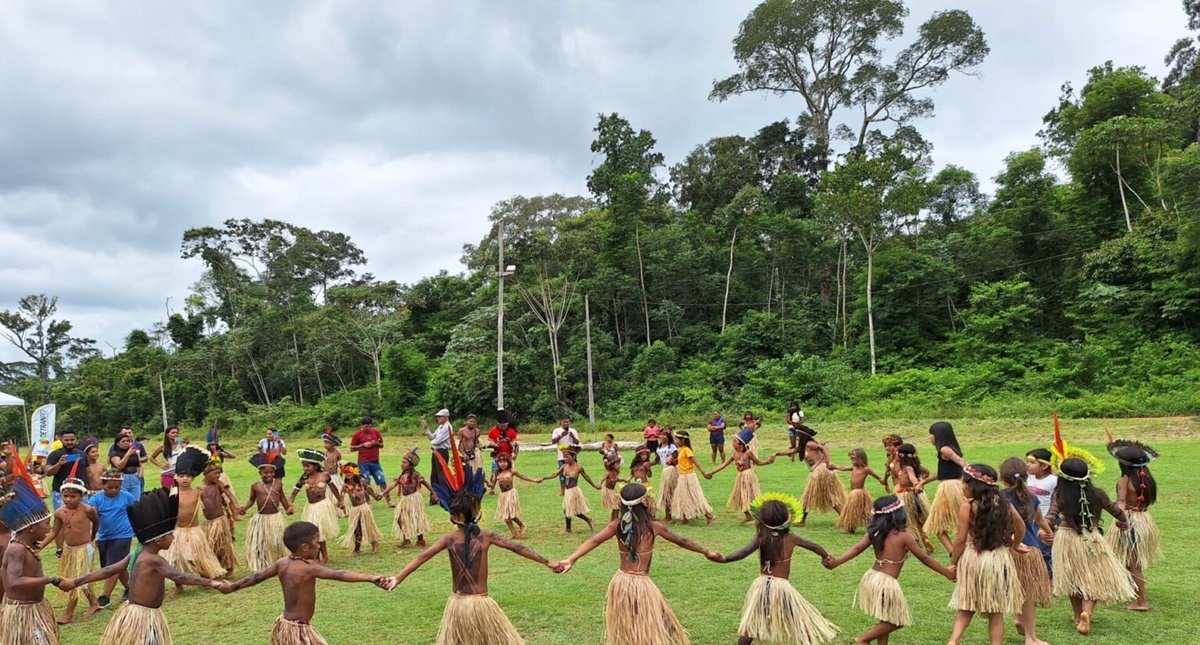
x=41 y=430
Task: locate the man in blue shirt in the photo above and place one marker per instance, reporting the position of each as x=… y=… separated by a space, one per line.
x=115 y=534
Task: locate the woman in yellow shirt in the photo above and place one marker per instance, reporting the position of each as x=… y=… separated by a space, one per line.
x=689 y=501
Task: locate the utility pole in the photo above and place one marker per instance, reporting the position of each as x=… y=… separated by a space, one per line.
x=162 y=397
x=587 y=315
x=501 y=273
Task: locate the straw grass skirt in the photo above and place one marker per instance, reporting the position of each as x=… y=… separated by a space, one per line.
x=77 y=561
x=325 y=515
x=745 y=490
x=1084 y=566
x=137 y=625
x=752 y=447
x=1141 y=544
x=220 y=538
x=410 y=520
x=286 y=632
x=636 y=613
x=610 y=500
x=476 y=620
x=191 y=553
x=362 y=519
x=508 y=505
x=857 y=512
x=337 y=481
x=824 y=490
x=916 y=506
x=987 y=582
x=776 y=613
x=947 y=502
x=688 y=501
x=880 y=597
x=28 y=623
x=668 y=482
x=574 y=503
x=264 y=541
x=1034 y=577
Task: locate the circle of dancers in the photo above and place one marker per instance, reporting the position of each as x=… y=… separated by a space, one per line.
x=1018 y=536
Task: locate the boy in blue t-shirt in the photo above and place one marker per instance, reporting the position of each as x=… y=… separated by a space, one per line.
x=116 y=533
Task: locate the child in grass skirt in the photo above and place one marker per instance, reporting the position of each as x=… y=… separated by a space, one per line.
x=949 y=498
x=774 y=612
x=324 y=499
x=190 y=551
x=609 y=499
x=215 y=496
x=857 y=511
x=508 y=504
x=907 y=474
x=1137 y=491
x=75 y=523
x=635 y=611
x=824 y=491
x=640 y=472
x=746 y=488
x=26 y=617
x=264 y=532
x=1031 y=567
x=688 y=500
x=574 y=503
x=362 y=527
x=988 y=526
x=879 y=594
x=1085 y=569
x=410 y=521
x=333 y=463
x=471 y=616
x=666 y=454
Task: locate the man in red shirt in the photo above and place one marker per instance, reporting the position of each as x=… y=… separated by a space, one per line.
x=503 y=438
x=367 y=442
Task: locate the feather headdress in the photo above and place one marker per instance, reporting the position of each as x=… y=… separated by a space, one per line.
x=1060 y=451
x=21 y=505
x=310 y=456
x=795 y=509
x=191 y=461
x=412 y=458
x=212 y=438
x=461 y=487
x=154 y=515
x=1120 y=449
x=260 y=461
x=329 y=436
x=73 y=482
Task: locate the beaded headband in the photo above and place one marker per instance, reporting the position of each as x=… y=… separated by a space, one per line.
x=978 y=475
x=890 y=508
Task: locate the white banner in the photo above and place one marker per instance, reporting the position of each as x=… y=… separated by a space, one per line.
x=41 y=430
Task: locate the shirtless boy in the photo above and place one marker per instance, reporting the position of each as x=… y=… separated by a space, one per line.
x=264 y=533
x=78 y=524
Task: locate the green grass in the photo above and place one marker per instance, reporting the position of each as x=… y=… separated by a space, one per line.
x=549 y=609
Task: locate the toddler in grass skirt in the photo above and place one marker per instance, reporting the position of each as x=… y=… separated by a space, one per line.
x=857 y=511
x=362 y=527
x=214 y=497
x=508 y=504
x=410 y=521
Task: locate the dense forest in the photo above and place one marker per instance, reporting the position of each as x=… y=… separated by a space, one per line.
x=825 y=258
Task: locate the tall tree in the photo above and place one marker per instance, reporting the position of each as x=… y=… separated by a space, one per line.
x=830 y=53
x=48 y=342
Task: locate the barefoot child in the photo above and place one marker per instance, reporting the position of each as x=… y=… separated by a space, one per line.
x=215 y=495
x=640 y=472
x=362 y=526
x=943 y=513
x=190 y=551
x=1041 y=483
x=824 y=490
x=78 y=524
x=857 y=511
x=116 y=533
x=26 y=617
x=140 y=620
x=635 y=611
x=95 y=470
x=1031 y=568
x=298 y=575
x=879 y=594
x=907 y=475
x=667 y=456
x=1085 y=568
x=891 y=444
x=574 y=503
x=320 y=494
x=988 y=583
x=410 y=521
x=264 y=533
x=774 y=611
x=688 y=500
x=745 y=488
x=333 y=463
x=508 y=505
x=1141 y=545
x=609 y=499
x=471 y=616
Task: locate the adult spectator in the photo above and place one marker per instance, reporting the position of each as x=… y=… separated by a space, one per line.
x=171 y=446
x=143 y=456
x=564 y=435
x=274 y=445
x=468 y=442
x=60 y=461
x=439 y=442
x=716 y=435
x=367 y=442
x=124 y=458
x=651 y=433
x=503 y=438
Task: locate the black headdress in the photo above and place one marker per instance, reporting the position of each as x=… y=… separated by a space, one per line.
x=191 y=461
x=154 y=515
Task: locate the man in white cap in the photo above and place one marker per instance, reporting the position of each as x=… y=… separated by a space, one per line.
x=439 y=442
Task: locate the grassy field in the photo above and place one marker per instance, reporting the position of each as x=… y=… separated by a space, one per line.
x=554 y=610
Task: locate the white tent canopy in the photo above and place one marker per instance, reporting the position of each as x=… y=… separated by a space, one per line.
x=10 y=401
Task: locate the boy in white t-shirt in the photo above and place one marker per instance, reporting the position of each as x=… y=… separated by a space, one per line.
x=1041 y=483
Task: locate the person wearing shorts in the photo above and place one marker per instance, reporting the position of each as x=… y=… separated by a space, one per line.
x=367 y=442
x=650 y=433
x=115 y=534
x=716 y=435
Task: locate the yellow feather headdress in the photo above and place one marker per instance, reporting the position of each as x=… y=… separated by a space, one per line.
x=1060 y=451
x=795 y=509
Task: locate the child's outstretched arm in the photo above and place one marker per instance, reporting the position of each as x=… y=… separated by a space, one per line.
x=110 y=571
x=180 y=578
x=390 y=487
x=809 y=546
x=256 y=577
x=14 y=569
x=682 y=542
x=728 y=460
x=961 y=535
x=527 y=478
x=325 y=573
x=759 y=462
x=948 y=454
x=296 y=490
x=850 y=554
x=583 y=474
x=423 y=557
x=741 y=553
x=54 y=531
x=519 y=549
x=551 y=475
x=596 y=540
x=227 y=493
x=910 y=543
x=881 y=480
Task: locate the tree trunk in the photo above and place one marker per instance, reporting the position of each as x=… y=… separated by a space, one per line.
x=728 y=279
x=843 y=288
x=378 y=372
x=1121 y=189
x=299 y=380
x=642 y=276
x=870 y=310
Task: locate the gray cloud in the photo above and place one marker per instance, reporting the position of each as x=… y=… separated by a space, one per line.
x=402 y=123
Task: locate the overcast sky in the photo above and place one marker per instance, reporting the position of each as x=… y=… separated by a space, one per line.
x=401 y=123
